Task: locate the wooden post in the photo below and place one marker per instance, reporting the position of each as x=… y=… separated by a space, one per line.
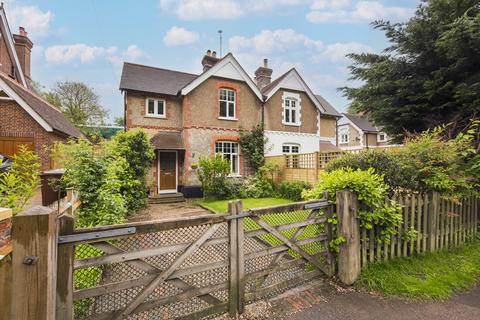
x=348 y=228
x=65 y=259
x=432 y=222
x=240 y=258
x=70 y=200
x=317 y=166
x=5 y=263
x=34 y=238
x=233 y=282
x=329 y=232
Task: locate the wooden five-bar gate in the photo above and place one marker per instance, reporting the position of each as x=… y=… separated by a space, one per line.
x=193 y=267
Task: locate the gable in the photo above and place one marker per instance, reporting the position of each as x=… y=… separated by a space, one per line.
x=10 y=46
x=228 y=68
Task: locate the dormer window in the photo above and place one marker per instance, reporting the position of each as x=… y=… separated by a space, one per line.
x=291 y=109
x=155 y=108
x=343 y=133
x=227 y=98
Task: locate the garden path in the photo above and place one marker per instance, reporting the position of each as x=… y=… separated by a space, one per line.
x=169 y=210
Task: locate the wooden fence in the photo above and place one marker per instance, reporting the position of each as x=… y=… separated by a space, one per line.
x=430 y=223
x=301 y=167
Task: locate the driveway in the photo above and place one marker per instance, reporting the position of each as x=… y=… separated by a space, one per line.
x=169 y=210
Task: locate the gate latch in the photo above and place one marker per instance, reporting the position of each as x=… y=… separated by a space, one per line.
x=30 y=260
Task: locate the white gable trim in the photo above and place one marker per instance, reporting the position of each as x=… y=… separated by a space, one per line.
x=12 y=94
x=228 y=67
x=345 y=120
x=293 y=81
x=11 y=46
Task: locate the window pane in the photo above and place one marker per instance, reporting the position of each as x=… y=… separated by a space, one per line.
x=223 y=109
x=235 y=147
x=231 y=95
x=231 y=109
x=161 y=107
x=223 y=94
x=295 y=149
x=286 y=149
x=293 y=112
x=287 y=115
x=287 y=103
x=234 y=164
x=151 y=106
x=293 y=103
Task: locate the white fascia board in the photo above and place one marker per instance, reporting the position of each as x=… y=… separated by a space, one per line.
x=303 y=87
x=218 y=66
x=345 y=120
x=11 y=46
x=12 y=94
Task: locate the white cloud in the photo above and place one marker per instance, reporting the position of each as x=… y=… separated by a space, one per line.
x=363 y=11
x=179 y=36
x=337 y=52
x=35 y=21
x=76 y=52
x=222 y=9
x=132 y=53
x=268 y=41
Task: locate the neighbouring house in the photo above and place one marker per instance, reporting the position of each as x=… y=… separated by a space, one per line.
x=356 y=132
x=26 y=118
x=190 y=115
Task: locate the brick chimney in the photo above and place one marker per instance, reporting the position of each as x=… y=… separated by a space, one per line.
x=23 y=46
x=263 y=75
x=209 y=59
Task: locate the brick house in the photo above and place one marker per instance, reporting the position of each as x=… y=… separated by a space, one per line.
x=27 y=119
x=357 y=132
x=188 y=116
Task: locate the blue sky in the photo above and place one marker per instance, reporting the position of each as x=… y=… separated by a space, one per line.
x=89 y=40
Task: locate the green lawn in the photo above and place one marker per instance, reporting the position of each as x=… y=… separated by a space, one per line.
x=430 y=276
x=221 y=206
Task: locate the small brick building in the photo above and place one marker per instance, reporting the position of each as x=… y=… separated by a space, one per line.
x=26 y=118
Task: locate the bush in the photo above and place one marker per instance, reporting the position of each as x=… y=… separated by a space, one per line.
x=253 y=143
x=293 y=189
x=213 y=173
x=258 y=186
x=110 y=176
x=18 y=185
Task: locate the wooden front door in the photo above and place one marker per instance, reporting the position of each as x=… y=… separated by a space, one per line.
x=167 y=171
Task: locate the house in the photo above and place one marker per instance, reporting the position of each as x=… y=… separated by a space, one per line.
x=356 y=132
x=27 y=119
x=190 y=115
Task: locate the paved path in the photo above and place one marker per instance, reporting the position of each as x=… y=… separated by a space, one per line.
x=325 y=302
x=170 y=210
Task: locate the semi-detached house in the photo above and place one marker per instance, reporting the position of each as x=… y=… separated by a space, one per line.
x=189 y=116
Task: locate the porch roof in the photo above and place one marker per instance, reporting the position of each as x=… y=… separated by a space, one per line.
x=167 y=140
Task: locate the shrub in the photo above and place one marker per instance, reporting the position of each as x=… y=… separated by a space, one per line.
x=371 y=192
x=258 y=186
x=18 y=185
x=253 y=143
x=293 y=189
x=212 y=173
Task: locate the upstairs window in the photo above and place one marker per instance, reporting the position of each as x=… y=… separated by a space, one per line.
x=290 y=148
x=229 y=151
x=227 y=104
x=382 y=137
x=155 y=108
x=344 y=135
x=291 y=109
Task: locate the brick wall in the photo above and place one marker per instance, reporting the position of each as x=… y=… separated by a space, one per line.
x=16 y=122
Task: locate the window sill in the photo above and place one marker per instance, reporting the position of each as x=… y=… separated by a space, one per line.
x=156 y=117
x=292 y=124
x=234 y=175
x=228 y=119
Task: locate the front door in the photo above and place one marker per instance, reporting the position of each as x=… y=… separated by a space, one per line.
x=167 y=171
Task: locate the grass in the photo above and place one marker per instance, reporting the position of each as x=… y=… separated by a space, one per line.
x=221 y=206
x=429 y=276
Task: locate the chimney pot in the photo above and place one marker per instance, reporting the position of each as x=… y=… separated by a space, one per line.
x=209 y=59
x=209 y=52
x=265 y=63
x=214 y=54
x=22 y=32
x=23 y=46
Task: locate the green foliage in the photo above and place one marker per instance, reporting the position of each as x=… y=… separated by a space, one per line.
x=371 y=192
x=429 y=276
x=253 y=143
x=212 y=173
x=221 y=206
x=110 y=176
x=258 y=186
x=430 y=74
x=18 y=185
x=293 y=189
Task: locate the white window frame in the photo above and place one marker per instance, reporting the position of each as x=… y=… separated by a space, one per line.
x=384 y=135
x=228 y=103
x=155 y=107
x=290 y=146
x=344 y=132
x=237 y=154
x=286 y=108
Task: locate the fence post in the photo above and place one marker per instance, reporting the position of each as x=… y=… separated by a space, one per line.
x=317 y=166
x=233 y=270
x=348 y=228
x=240 y=258
x=5 y=263
x=65 y=259
x=432 y=221
x=34 y=238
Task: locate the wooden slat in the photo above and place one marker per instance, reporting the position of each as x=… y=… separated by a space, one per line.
x=405 y=202
x=297 y=206
x=412 y=220
x=371 y=245
x=418 y=246
x=287 y=226
x=364 y=246
x=441 y=231
x=425 y=222
x=277 y=249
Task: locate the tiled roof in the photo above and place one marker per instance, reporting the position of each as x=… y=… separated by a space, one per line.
x=362 y=122
x=167 y=140
x=154 y=80
x=271 y=85
x=47 y=112
x=329 y=109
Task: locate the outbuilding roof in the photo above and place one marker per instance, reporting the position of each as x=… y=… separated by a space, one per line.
x=362 y=122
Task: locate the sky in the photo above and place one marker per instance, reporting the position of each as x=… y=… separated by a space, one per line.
x=89 y=40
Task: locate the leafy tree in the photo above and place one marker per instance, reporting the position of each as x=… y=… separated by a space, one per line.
x=78 y=102
x=212 y=173
x=253 y=143
x=119 y=121
x=428 y=76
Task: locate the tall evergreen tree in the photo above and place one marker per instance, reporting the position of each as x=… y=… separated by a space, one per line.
x=430 y=73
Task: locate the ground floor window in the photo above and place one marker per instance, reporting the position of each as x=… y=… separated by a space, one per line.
x=290 y=148
x=229 y=151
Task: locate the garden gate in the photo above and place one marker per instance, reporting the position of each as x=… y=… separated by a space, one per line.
x=190 y=267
